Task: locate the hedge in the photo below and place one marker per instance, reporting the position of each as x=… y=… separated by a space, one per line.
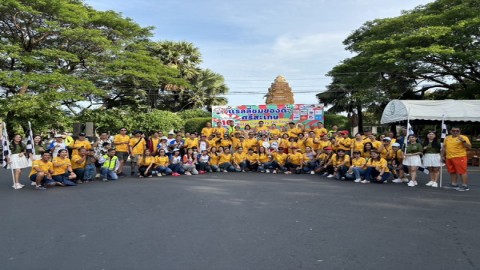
x=196 y=124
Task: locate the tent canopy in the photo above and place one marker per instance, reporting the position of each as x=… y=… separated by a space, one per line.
x=433 y=110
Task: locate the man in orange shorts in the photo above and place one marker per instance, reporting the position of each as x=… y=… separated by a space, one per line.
x=454 y=153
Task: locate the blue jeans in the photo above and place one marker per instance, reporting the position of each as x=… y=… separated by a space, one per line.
x=79 y=172
x=357 y=173
x=89 y=173
x=63 y=178
x=215 y=168
x=164 y=169
x=108 y=174
x=177 y=168
x=227 y=166
x=371 y=174
x=310 y=166
x=341 y=171
x=243 y=166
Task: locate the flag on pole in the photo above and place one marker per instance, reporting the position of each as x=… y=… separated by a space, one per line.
x=30 y=148
x=6 y=146
x=444 y=130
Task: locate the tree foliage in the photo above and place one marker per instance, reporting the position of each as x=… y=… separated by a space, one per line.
x=430 y=52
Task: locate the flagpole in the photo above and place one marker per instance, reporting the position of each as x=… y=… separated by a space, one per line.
x=441 y=149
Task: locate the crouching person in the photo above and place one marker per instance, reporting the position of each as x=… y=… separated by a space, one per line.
x=110 y=166
x=162 y=162
x=41 y=173
x=63 y=174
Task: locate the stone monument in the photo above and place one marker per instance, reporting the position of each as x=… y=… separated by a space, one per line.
x=280 y=92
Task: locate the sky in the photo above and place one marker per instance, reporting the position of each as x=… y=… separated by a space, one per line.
x=251 y=42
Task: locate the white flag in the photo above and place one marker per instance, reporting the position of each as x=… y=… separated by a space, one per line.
x=6 y=146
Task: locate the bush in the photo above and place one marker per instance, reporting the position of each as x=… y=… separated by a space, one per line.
x=341 y=121
x=194 y=113
x=196 y=124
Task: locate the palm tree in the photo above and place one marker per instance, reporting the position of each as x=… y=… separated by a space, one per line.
x=207 y=88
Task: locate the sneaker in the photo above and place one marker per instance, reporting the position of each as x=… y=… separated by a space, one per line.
x=312 y=172
x=397 y=181
x=325 y=174
x=105 y=180
x=60 y=184
x=358 y=180
x=33 y=183
x=39 y=188
x=243 y=170
x=435 y=185
x=330 y=176
x=451 y=186
x=343 y=178
x=175 y=174
x=462 y=188
x=429 y=184
x=412 y=183
x=17 y=186
x=405 y=180
x=274 y=171
x=364 y=181
x=225 y=171
x=97 y=176
x=188 y=173
x=267 y=171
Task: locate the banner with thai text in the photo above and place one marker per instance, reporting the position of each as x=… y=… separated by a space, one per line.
x=307 y=114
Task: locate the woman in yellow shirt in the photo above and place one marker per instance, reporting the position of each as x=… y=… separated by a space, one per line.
x=239 y=159
x=214 y=158
x=225 y=161
x=396 y=165
x=162 y=163
x=340 y=162
x=367 y=148
x=357 y=169
x=146 y=164
x=252 y=160
x=263 y=158
x=377 y=169
x=62 y=169
x=279 y=159
x=294 y=161
x=357 y=144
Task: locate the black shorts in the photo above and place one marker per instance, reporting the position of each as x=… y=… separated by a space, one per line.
x=122 y=155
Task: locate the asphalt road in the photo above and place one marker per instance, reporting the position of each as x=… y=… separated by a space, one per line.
x=239 y=221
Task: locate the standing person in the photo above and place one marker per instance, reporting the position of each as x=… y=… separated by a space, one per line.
x=81 y=142
x=178 y=143
x=153 y=142
x=146 y=164
x=38 y=146
x=455 y=155
x=208 y=130
x=219 y=130
x=79 y=162
x=432 y=158
x=357 y=144
x=42 y=170
x=412 y=158
x=121 y=149
x=57 y=145
x=63 y=174
x=110 y=166
x=136 y=148
x=17 y=160
x=98 y=145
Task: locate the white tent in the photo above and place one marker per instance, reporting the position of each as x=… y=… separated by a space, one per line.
x=452 y=110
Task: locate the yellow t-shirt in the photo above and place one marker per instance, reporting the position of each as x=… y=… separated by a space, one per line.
x=338 y=161
x=263 y=158
x=40 y=164
x=280 y=157
x=212 y=142
x=359 y=162
x=119 y=138
x=263 y=129
x=62 y=163
x=207 y=131
x=253 y=157
x=274 y=132
x=155 y=142
x=79 y=144
x=221 y=131
x=146 y=161
x=382 y=163
x=324 y=144
x=225 y=158
x=344 y=143
x=214 y=159
x=296 y=158
x=358 y=145
x=301 y=144
x=226 y=143
x=162 y=161
x=139 y=148
x=454 y=147
x=251 y=143
x=320 y=131
x=75 y=164
x=239 y=157
x=294 y=132
x=190 y=143
x=376 y=144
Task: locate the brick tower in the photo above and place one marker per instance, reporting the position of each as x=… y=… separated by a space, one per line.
x=280 y=92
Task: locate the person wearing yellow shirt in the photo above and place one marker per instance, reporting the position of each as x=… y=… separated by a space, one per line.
x=191 y=141
x=357 y=143
x=301 y=142
x=238 y=141
x=396 y=165
x=208 y=129
x=279 y=159
x=455 y=155
x=385 y=149
x=121 y=142
x=162 y=161
x=357 y=169
x=261 y=128
x=153 y=142
x=324 y=161
x=251 y=141
x=225 y=161
x=136 y=147
x=81 y=142
x=273 y=130
x=212 y=141
x=293 y=130
x=344 y=142
x=252 y=160
x=240 y=160
x=376 y=144
x=320 y=130
x=62 y=169
x=225 y=142
x=309 y=160
x=214 y=158
x=377 y=169
x=324 y=142
x=264 y=157
x=79 y=162
x=41 y=173
x=220 y=130
x=146 y=164
x=340 y=162
x=294 y=161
